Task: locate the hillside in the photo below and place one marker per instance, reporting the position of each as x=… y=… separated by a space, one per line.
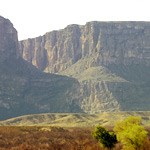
x=74 y=119
x=24 y=89
x=111 y=61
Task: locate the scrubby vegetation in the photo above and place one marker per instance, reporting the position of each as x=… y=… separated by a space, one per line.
x=107 y=139
x=52 y=138
x=131 y=133
x=46 y=138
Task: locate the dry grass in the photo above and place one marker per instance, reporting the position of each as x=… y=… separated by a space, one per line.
x=46 y=138
x=74 y=119
x=51 y=138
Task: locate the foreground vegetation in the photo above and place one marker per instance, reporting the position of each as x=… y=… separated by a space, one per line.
x=46 y=138
x=52 y=138
x=129 y=132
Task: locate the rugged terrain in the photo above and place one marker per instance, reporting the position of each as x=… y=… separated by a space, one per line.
x=111 y=61
x=23 y=88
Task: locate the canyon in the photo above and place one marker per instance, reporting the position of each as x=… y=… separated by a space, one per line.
x=111 y=61
x=92 y=68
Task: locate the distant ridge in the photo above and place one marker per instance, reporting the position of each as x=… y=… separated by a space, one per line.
x=74 y=119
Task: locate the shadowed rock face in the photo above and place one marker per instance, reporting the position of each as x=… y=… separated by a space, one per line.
x=24 y=89
x=8 y=40
x=111 y=60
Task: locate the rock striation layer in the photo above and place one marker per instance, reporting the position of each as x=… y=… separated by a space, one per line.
x=122 y=43
x=24 y=89
x=111 y=60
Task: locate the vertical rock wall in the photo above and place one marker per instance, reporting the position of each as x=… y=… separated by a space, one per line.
x=122 y=49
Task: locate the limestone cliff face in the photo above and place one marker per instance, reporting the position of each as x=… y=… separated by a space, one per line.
x=24 y=89
x=8 y=40
x=111 y=60
x=115 y=42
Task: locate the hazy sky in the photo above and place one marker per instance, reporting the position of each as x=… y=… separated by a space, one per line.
x=36 y=17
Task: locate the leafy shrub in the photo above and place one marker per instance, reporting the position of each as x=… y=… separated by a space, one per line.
x=107 y=139
x=131 y=133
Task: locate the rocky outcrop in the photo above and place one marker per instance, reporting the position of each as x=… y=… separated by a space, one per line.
x=111 y=60
x=122 y=43
x=8 y=40
x=24 y=89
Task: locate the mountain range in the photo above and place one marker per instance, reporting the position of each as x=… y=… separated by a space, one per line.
x=93 y=68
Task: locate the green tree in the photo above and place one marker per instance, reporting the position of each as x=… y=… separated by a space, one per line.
x=106 y=139
x=131 y=133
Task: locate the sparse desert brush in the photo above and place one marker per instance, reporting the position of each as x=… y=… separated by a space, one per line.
x=33 y=138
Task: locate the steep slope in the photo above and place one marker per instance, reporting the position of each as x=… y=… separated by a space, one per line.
x=111 y=60
x=118 y=43
x=23 y=88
